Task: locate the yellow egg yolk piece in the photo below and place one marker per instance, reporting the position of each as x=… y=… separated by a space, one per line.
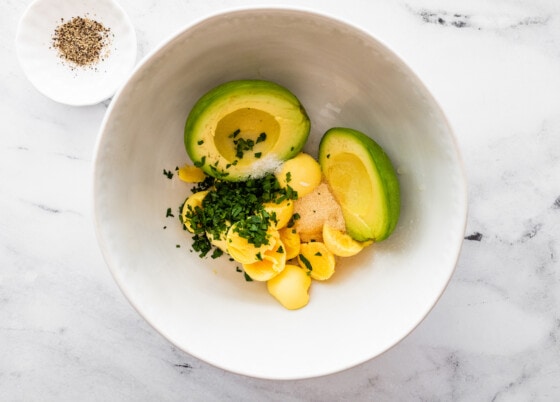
x=290 y=287
x=290 y=239
x=340 y=243
x=219 y=242
x=190 y=205
x=302 y=173
x=317 y=259
x=191 y=174
x=272 y=263
x=244 y=252
x=282 y=211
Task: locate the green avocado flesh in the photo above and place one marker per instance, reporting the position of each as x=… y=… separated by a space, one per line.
x=245 y=128
x=363 y=181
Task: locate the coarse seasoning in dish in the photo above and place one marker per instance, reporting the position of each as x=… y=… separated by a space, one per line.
x=81 y=41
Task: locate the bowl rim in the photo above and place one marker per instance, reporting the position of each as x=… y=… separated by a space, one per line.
x=462 y=183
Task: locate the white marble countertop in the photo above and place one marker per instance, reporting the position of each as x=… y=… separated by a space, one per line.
x=67 y=332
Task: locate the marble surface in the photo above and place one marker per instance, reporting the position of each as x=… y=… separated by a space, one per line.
x=67 y=332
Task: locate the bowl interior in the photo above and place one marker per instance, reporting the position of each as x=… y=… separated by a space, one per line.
x=344 y=78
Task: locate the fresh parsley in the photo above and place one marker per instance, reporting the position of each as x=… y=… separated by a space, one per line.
x=239 y=202
x=306 y=262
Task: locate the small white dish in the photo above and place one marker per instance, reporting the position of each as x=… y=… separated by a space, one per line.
x=60 y=80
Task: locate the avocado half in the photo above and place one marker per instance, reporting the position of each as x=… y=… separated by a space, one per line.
x=363 y=181
x=245 y=128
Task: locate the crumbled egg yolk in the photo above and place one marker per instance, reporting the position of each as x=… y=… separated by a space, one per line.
x=317 y=259
x=290 y=287
x=272 y=263
x=302 y=173
x=291 y=240
x=340 y=243
x=219 y=242
x=191 y=203
x=191 y=174
x=283 y=212
x=244 y=252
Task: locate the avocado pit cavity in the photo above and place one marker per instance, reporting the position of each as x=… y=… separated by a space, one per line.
x=246 y=135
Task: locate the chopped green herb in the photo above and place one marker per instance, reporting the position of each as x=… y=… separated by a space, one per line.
x=328 y=156
x=201 y=162
x=169 y=213
x=168 y=173
x=201 y=244
x=177 y=246
x=247 y=277
x=318 y=254
x=306 y=262
x=242 y=145
x=200 y=142
x=261 y=137
x=217 y=253
x=293 y=220
x=254 y=228
x=235 y=202
x=207 y=183
x=236 y=210
x=280 y=250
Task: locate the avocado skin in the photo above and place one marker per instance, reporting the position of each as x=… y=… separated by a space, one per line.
x=380 y=162
x=294 y=140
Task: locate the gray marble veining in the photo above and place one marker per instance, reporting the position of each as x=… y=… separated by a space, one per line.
x=67 y=333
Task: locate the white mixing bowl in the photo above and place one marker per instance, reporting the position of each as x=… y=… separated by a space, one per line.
x=343 y=77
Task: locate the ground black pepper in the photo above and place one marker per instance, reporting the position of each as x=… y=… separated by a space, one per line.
x=81 y=41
